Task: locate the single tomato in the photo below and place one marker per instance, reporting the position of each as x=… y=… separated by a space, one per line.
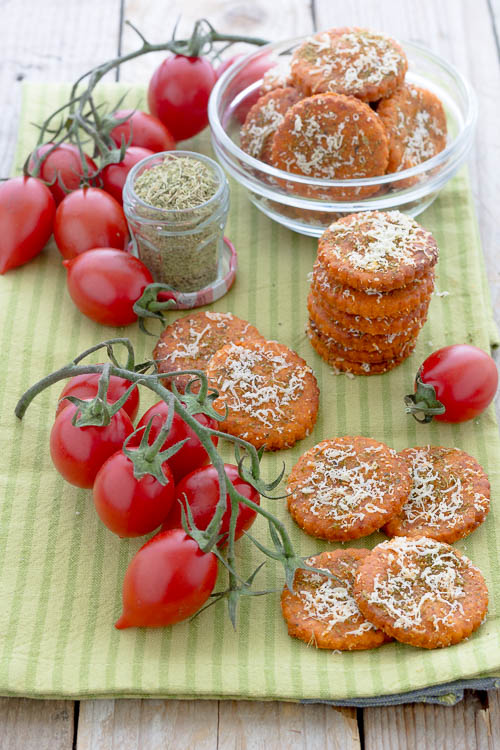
x=105 y=283
x=89 y=218
x=27 y=211
x=128 y=506
x=63 y=167
x=114 y=175
x=252 y=72
x=142 y=129
x=178 y=94
x=192 y=454
x=85 y=387
x=459 y=381
x=79 y=452
x=200 y=490
x=168 y=580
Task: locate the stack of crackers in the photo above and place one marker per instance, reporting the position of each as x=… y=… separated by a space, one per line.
x=371 y=287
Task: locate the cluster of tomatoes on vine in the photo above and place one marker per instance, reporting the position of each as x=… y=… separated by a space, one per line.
x=144 y=479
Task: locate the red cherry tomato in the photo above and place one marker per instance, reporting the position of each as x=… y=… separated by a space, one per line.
x=178 y=94
x=465 y=380
x=89 y=218
x=129 y=506
x=142 y=130
x=227 y=64
x=192 y=454
x=63 y=164
x=168 y=580
x=79 y=452
x=252 y=72
x=27 y=212
x=114 y=175
x=201 y=490
x=105 y=283
x=85 y=387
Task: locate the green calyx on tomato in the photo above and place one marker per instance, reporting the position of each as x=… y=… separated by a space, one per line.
x=98 y=412
x=423 y=405
x=150 y=458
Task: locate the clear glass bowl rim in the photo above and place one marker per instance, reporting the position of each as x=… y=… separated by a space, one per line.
x=129 y=191
x=453 y=149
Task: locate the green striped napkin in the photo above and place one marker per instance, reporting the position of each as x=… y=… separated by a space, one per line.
x=61 y=569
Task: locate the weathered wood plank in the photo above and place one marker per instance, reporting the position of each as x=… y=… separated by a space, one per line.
x=28 y=724
x=245 y=725
x=49 y=41
x=466 y=726
x=147 y=725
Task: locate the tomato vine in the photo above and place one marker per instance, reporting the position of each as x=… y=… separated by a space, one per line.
x=80 y=117
x=186 y=405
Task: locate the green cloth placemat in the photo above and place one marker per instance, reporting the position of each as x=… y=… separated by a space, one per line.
x=61 y=570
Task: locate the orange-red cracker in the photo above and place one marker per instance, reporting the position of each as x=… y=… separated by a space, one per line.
x=421 y=592
x=321 y=611
x=346 y=488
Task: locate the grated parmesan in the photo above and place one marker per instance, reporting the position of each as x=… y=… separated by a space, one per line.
x=417 y=572
x=378 y=241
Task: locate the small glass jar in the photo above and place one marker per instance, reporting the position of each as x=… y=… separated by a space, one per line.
x=181 y=247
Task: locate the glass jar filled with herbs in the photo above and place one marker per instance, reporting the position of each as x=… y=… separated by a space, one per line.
x=176 y=204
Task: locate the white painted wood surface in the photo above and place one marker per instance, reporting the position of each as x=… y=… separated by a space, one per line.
x=60 y=39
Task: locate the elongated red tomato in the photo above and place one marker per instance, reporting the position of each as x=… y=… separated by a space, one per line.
x=168 y=580
x=62 y=165
x=200 y=490
x=27 y=212
x=178 y=94
x=142 y=129
x=192 y=454
x=128 y=506
x=79 y=452
x=89 y=218
x=464 y=380
x=105 y=283
x=85 y=387
x=114 y=175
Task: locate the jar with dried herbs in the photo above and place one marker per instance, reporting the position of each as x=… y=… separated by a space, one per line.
x=176 y=204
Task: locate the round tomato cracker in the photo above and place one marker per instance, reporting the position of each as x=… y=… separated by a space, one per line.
x=337 y=360
x=346 y=488
x=189 y=342
x=270 y=393
x=449 y=496
x=386 y=344
x=333 y=137
x=352 y=61
x=377 y=250
x=422 y=592
x=262 y=120
x=371 y=303
x=375 y=326
x=415 y=123
x=321 y=611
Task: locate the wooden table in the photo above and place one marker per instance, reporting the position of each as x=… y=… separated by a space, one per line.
x=59 y=40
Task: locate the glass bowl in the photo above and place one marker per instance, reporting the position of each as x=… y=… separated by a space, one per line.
x=237 y=90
